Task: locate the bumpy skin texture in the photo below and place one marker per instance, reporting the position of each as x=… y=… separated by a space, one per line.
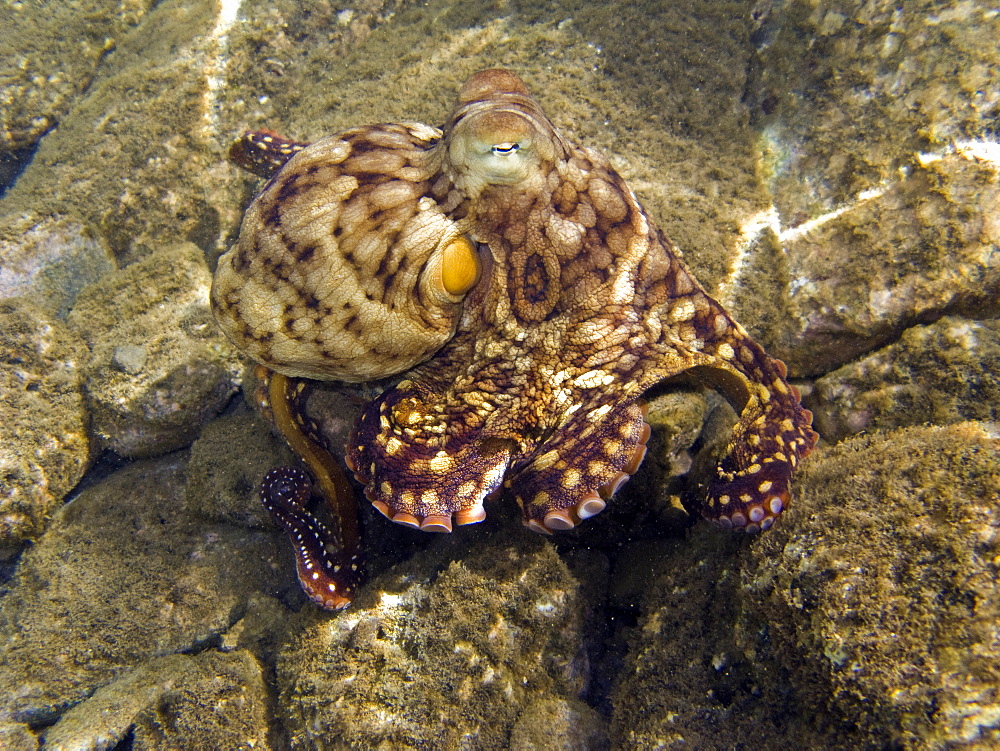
x=533 y=382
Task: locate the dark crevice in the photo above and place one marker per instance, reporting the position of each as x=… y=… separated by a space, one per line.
x=7 y=570
x=13 y=164
x=127 y=741
x=106 y=465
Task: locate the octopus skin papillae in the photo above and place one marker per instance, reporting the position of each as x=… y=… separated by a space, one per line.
x=528 y=302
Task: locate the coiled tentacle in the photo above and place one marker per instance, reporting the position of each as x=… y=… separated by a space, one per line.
x=330 y=567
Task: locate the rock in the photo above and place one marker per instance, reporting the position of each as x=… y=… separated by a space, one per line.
x=684 y=683
x=865 y=619
x=677 y=419
x=559 y=725
x=208 y=700
x=48 y=55
x=122 y=576
x=44 y=444
x=51 y=261
x=17 y=737
x=188 y=370
x=228 y=462
x=923 y=246
x=432 y=657
x=878 y=598
x=848 y=94
x=942 y=373
x=264 y=620
x=877 y=132
x=130 y=358
x=137 y=156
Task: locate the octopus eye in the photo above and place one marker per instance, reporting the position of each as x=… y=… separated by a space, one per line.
x=459 y=266
x=502 y=149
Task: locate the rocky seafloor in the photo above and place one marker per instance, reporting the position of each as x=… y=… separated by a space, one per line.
x=831 y=175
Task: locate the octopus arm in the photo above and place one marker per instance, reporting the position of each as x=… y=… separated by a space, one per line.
x=329 y=579
x=330 y=568
x=751 y=485
x=263 y=152
x=572 y=476
x=421 y=469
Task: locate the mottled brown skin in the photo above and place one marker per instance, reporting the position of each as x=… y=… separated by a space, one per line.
x=338 y=252
x=536 y=386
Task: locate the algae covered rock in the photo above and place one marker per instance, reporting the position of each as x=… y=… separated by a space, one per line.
x=684 y=683
x=942 y=373
x=440 y=660
x=17 y=737
x=49 y=53
x=915 y=249
x=880 y=599
x=876 y=128
x=159 y=368
x=228 y=462
x=121 y=576
x=44 y=444
x=866 y=619
x=135 y=155
x=559 y=725
x=50 y=260
x=164 y=704
x=847 y=94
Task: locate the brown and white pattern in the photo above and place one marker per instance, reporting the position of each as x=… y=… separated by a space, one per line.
x=527 y=297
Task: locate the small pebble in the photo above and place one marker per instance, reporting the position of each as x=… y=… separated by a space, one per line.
x=129 y=358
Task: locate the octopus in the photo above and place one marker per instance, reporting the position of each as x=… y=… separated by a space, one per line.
x=525 y=301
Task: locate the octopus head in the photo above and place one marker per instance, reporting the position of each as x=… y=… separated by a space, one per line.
x=498 y=135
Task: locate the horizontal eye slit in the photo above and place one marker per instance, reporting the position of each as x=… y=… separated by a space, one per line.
x=505 y=148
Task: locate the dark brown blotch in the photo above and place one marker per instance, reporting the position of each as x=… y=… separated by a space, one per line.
x=279 y=269
x=535 y=280
x=353 y=325
x=303 y=254
x=288 y=188
x=272 y=216
x=241 y=263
